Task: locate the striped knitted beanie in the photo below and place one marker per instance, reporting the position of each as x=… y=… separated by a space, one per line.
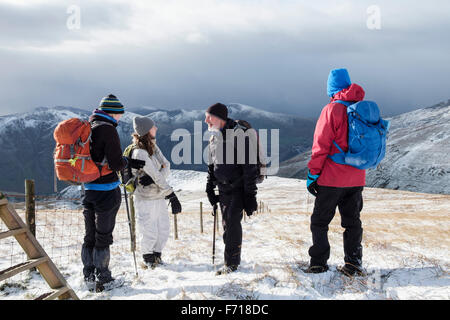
x=110 y=104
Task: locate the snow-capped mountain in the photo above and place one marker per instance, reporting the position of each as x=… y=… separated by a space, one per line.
x=26 y=139
x=417 y=153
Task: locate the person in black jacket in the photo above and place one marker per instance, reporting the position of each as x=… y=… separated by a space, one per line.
x=236 y=180
x=102 y=197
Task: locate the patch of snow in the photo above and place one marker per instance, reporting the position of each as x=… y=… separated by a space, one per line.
x=275 y=249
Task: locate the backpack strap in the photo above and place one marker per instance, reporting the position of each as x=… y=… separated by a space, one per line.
x=129 y=152
x=337 y=146
x=242 y=124
x=339 y=157
x=345 y=103
x=96 y=124
x=355 y=114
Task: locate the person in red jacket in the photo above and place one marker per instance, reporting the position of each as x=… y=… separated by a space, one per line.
x=333 y=184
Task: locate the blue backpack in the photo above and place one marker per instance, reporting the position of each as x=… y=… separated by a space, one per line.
x=367 y=133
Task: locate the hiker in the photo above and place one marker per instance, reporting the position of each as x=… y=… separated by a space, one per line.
x=151 y=192
x=333 y=184
x=236 y=182
x=102 y=197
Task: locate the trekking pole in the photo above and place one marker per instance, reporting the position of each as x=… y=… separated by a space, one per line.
x=129 y=224
x=214 y=232
x=307 y=201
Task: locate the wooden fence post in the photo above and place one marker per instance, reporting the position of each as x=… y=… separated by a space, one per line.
x=30 y=208
x=201 y=217
x=175 y=227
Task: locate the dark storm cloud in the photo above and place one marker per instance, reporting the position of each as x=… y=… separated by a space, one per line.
x=151 y=60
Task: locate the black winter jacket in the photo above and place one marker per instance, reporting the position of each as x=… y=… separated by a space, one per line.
x=229 y=176
x=106 y=143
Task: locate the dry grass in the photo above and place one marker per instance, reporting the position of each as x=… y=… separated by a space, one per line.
x=405 y=229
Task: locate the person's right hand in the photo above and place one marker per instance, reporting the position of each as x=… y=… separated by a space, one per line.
x=212 y=197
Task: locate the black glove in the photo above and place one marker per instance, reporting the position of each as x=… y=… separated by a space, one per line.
x=214 y=210
x=311 y=183
x=146 y=180
x=250 y=204
x=212 y=197
x=174 y=203
x=134 y=163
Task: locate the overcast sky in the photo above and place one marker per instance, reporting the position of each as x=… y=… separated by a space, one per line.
x=273 y=55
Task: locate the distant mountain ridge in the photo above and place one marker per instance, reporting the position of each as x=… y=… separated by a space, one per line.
x=417 y=153
x=26 y=139
x=416 y=158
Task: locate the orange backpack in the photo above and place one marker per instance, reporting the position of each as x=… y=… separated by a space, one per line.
x=72 y=157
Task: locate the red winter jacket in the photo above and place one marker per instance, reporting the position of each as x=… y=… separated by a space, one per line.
x=332 y=125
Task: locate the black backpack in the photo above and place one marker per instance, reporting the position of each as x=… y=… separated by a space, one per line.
x=260 y=159
x=126 y=176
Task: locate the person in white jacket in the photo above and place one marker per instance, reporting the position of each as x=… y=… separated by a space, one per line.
x=151 y=192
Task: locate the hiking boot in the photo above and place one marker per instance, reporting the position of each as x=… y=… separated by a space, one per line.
x=89 y=281
x=100 y=285
x=89 y=278
x=316 y=269
x=152 y=260
x=158 y=259
x=103 y=275
x=226 y=270
x=149 y=258
x=351 y=270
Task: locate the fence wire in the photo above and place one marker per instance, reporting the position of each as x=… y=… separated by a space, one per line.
x=59 y=224
x=59 y=230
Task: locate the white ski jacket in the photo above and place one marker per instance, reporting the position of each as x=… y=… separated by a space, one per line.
x=157 y=167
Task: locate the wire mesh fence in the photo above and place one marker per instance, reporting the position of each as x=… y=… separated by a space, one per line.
x=58 y=222
x=59 y=230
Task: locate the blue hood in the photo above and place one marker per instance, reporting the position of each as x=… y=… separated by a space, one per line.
x=338 y=79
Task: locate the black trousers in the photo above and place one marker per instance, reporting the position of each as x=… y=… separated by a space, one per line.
x=232 y=204
x=350 y=203
x=100 y=210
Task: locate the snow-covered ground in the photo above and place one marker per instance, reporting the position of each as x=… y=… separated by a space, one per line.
x=405 y=251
